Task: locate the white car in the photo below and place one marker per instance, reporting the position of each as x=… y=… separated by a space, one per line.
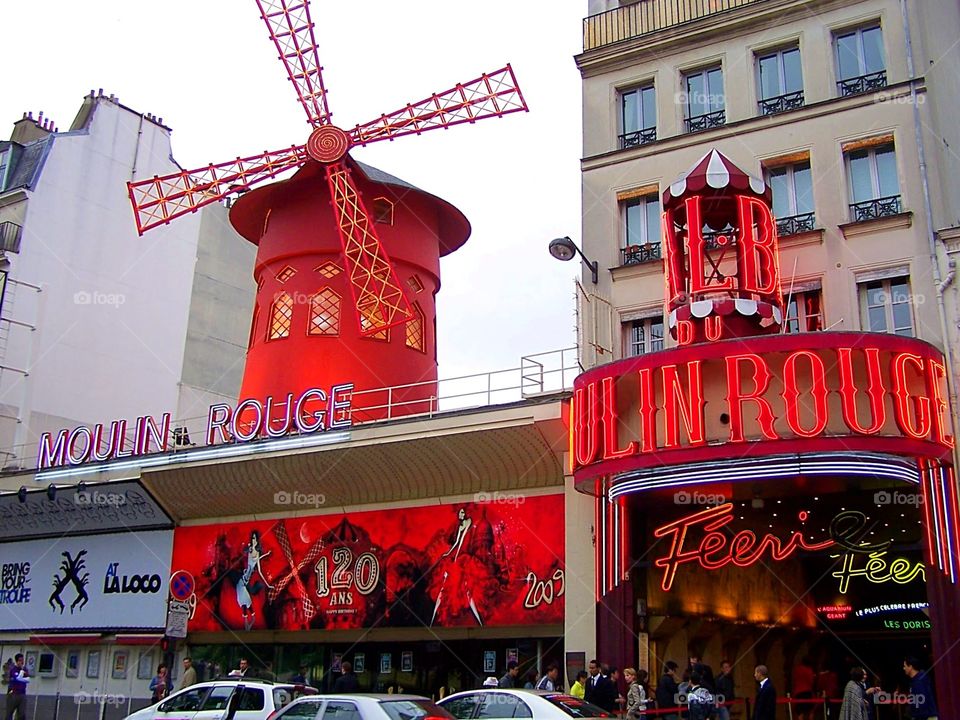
x=538 y=704
x=227 y=699
x=362 y=707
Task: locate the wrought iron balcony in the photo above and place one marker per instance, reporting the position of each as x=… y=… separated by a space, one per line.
x=795 y=224
x=873 y=209
x=639 y=254
x=862 y=84
x=705 y=122
x=781 y=103
x=640 y=137
x=10 y=234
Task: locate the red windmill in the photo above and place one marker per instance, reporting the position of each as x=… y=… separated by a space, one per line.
x=292 y=223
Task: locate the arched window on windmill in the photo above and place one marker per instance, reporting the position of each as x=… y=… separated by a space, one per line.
x=416 y=330
x=281 y=317
x=324 y=313
x=383 y=211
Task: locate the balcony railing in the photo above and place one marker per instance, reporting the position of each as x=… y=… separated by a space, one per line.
x=647 y=16
x=639 y=254
x=705 y=122
x=781 y=103
x=640 y=137
x=862 y=84
x=795 y=224
x=10 y=234
x=873 y=209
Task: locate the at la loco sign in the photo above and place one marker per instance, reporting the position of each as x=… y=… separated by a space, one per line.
x=775 y=394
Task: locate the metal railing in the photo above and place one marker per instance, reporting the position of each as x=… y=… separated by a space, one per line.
x=873 y=209
x=640 y=137
x=795 y=224
x=639 y=254
x=10 y=235
x=781 y=103
x=862 y=84
x=648 y=16
x=705 y=122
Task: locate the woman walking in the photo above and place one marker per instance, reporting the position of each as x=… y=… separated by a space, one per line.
x=854 y=701
x=636 y=693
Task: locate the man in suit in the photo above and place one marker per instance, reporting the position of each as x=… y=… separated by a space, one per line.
x=600 y=689
x=765 y=707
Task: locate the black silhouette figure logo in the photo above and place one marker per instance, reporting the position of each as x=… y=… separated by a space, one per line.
x=71 y=567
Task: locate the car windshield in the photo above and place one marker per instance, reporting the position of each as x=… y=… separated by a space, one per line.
x=413 y=709
x=576 y=708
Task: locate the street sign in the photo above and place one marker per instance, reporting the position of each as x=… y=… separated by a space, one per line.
x=178 y=613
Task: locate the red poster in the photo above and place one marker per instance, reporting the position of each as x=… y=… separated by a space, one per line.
x=487 y=563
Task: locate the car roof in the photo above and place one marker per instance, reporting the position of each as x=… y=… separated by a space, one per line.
x=365 y=696
x=250 y=681
x=512 y=691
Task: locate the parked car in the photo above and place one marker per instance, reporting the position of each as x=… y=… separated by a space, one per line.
x=246 y=699
x=362 y=707
x=538 y=704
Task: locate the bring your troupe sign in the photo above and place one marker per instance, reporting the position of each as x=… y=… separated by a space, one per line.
x=89 y=582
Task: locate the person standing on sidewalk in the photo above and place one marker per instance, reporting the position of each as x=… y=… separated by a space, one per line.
x=923 y=705
x=17 y=680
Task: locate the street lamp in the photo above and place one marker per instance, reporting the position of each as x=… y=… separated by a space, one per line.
x=565 y=249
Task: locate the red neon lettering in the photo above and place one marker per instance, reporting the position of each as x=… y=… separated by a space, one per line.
x=736 y=398
x=936 y=372
x=818 y=393
x=715 y=551
x=696 y=252
x=758 y=252
x=920 y=428
x=587 y=428
x=611 y=423
x=684 y=332
x=678 y=404
x=673 y=258
x=875 y=390
x=712 y=327
x=648 y=412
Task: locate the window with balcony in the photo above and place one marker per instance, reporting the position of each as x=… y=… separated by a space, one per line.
x=638 y=116
x=860 y=63
x=792 y=188
x=804 y=312
x=641 y=232
x=705 y=100
x=872 y=179
x=885 y=306
x=643 y=336
x=780 y=81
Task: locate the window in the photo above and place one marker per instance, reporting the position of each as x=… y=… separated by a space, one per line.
x=501 y=705
x=186 y=701
x=415 y=284
x=324 y=313
x=382 y=211
x=412 y=709
x=281 y=317
x=705 y=101
x=638 y=116
x=641 y=233
x=253 y=326
x=860 y=64
x=218 y=698
x=340 y=710
x=305 y=710
x=780 y=81
x=463 y=706
x=415 y=329
x=285 y=274
x=792 y=188
x=251 y=699
x=885 y=306
x=5 y=155
x=366 y=323
x=644 y=336
x=872 y=178
x=804 y=312
x=329 y=270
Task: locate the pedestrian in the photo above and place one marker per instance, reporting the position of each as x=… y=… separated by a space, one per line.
x=803 y=681
x=854 y=705
x=531 y=682
x=579 y=687
x=923 y=705
x=699 y=698
x=604 y=691
x=17 y=679
x=706 y=672
x=299 y=677
x=726 y=691
x=668 y=689
x=189 y=676
x=620 y=701
x=347 y=682
x=765 y=705
x=550 y=678
x=509 y=679
x=243 y=670
x=160 y=686
x=593 y=668
x=636 y=695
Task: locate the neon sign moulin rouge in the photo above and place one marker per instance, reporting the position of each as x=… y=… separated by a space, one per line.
x=314 y=410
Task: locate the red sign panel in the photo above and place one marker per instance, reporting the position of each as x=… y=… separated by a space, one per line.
x=489 y=563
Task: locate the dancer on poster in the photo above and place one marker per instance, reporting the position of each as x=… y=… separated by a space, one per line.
x=456 y=566
x=246 y=587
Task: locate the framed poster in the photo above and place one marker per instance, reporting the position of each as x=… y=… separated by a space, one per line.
x=386 y=662
x=30 y=663
x=93 y=664
x=406 y=661
x=73 y=664
x=489 y=661
x=145 y=665
x=359 y=662
x=335 y=664
x=120 y=658
x=575 y=662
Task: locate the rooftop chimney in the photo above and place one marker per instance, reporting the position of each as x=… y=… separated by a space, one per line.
x=27 y=129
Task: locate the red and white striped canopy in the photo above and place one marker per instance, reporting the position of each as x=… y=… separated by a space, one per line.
x=714 y=171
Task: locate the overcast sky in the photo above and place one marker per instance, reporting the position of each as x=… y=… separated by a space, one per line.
x=208 y=68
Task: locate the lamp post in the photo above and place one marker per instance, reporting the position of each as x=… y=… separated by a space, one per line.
x=565 y=249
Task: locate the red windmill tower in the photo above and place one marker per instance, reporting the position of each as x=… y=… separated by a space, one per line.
x=320 y=247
